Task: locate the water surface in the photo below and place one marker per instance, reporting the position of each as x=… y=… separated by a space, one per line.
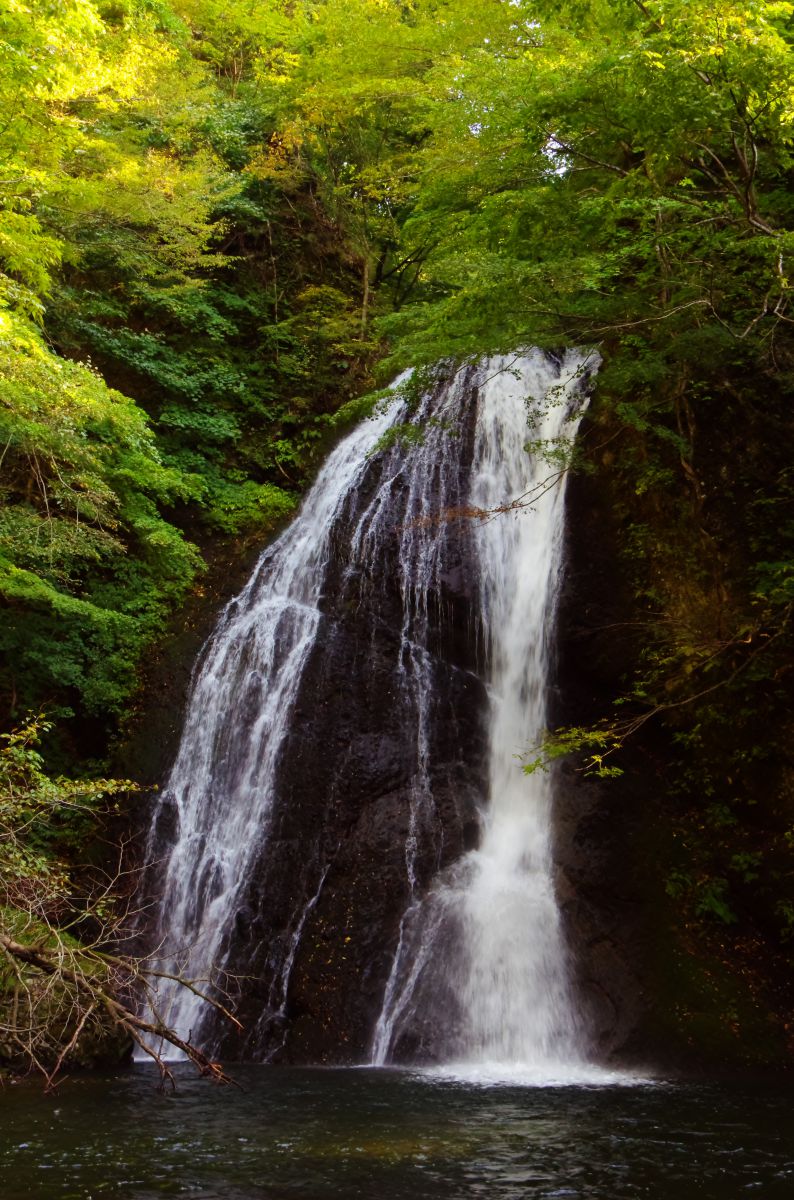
x=314 y=1134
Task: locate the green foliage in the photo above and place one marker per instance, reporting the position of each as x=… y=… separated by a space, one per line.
x=707 y=895
x=88 y=567
x=594 y=743
x=616 y=176
x=215 y=216
x=238 y=506
x=221 y=214
x=136 y=228
x=40 y=818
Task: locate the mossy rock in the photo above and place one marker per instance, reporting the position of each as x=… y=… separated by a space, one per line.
x=40 y=1013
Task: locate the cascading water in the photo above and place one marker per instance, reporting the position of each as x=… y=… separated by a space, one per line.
x=507 y=975
x=478 y=971
x=220 y=791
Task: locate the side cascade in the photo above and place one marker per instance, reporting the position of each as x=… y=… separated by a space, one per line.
x=220 y=793
x=476 y=978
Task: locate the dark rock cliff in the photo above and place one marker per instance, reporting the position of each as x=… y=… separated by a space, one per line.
x=667 y=985
x=323 y=906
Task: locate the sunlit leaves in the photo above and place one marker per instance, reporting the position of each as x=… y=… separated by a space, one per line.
x=83 y=549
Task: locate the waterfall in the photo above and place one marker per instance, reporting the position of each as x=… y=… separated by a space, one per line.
x=220 y=791
x=477 y=973
x=506 y=976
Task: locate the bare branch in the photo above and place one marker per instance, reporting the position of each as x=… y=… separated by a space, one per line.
x=91 y=993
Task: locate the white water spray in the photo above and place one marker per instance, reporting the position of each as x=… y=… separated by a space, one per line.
x=220 y=789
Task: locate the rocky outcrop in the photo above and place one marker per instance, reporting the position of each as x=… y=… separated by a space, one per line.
x=318 y=919
x=317 y=924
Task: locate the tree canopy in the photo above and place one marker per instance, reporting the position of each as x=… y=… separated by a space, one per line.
x=215 y=215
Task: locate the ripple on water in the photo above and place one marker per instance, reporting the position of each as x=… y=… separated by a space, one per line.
x=395 y=1135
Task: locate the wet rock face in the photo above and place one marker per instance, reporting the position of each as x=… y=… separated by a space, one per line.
x=604 y=908
x=661 y=990
x=317 y=924
x=324 y=904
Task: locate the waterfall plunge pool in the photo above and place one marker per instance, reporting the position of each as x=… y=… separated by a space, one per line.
x=380 y=1134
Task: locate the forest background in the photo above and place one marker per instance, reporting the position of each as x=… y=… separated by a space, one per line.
x=223 y=223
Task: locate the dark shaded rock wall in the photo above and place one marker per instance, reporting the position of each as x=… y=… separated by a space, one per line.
x=664 y=988
x=324 y=904
x=602 y=879
x=315 y=936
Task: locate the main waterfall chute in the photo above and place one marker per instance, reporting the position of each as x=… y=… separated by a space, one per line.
x=488 y=933
x=478 y=968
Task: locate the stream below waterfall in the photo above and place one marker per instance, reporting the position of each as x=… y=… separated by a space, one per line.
x=303 y=1134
